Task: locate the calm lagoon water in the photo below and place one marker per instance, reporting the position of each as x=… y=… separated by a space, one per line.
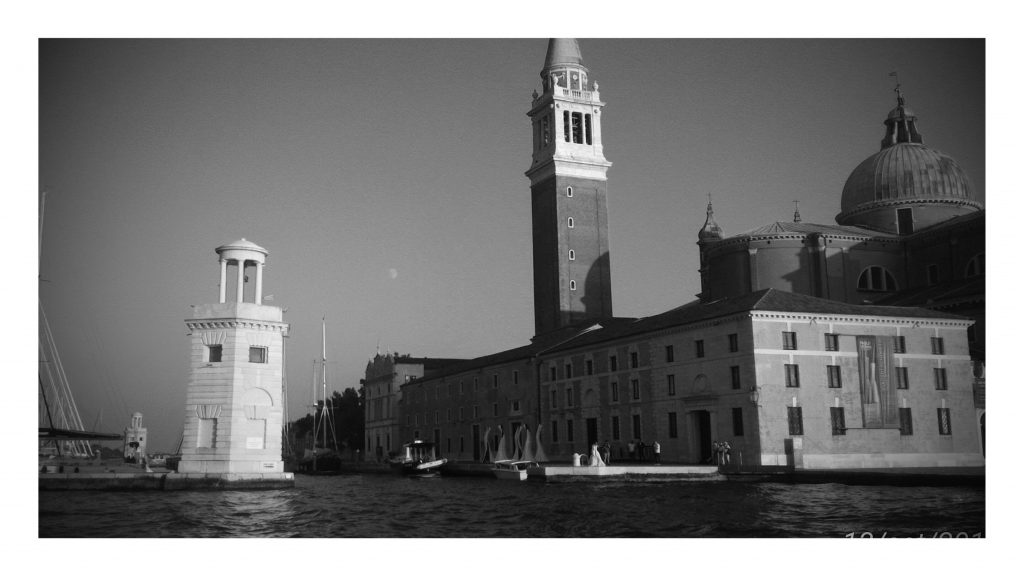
x=458 y=507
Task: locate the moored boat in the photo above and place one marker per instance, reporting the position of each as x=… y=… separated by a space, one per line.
x=418 y=458
x=512 y=469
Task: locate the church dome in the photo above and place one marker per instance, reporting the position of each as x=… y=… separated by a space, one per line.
x=905 y=174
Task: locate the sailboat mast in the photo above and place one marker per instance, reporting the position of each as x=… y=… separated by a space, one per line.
x=323 y=373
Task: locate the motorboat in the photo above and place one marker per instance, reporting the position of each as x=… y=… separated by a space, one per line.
x=512 y=469
x=418 y=458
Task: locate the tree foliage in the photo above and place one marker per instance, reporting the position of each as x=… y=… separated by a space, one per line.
x=345 y=411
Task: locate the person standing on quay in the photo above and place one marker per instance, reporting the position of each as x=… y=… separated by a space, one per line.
x=657 y=452
x=631 y=447
x=714 y=453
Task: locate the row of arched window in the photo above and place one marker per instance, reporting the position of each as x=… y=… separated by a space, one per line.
x=879 y=279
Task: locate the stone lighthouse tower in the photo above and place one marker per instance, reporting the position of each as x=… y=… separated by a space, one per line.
x=233 y=406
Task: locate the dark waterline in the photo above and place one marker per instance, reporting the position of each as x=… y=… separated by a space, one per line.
x=395 y=507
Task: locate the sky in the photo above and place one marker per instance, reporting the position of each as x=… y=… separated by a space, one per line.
x=386 y=179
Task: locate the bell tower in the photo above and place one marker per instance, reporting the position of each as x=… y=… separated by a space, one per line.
x=568 y=182
x=233 y=405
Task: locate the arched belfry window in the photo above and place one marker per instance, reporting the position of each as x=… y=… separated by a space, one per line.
x=975 y=266
x=876 y=279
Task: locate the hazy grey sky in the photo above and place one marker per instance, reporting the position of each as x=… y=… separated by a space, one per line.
x=348 y=159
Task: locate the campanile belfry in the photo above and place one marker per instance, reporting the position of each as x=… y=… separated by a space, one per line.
x=233 y=405
x=568 y=182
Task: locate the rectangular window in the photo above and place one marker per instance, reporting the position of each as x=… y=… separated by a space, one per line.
x=940 y=378
x=494 y=381
x=838 y=421
x=554 y=398
x=207 y=433
x=670 y=354
x=476 y=383
x=462 y=444
x=554 y=430
x=515 y=405
x=792 y=376
x=734 y=373
x=933 y=274
x=905 y=220
x=449 y=391
x=906 y=422
x=586 y=118
x=616 y=434
x=671 y=381
x=494 y=408
x=832 y=342
x=899 y=344
x=568 y=396
x=258 y=354
x=590 y=367
x=554 y=373
x=789 y=340
x=615 y=391
x=835 y=376
x=214 y=353
x=699 y=345
x=902 y=378
x=636 y=426
x=945 y=428
x=462 y=387
x=795 y=415
x=938 y=347
x=577 y=128
x=734 y=343
x=634 y=359
x=737 y=421
x=515 y=376
x=462 y=413
x=613 y=363
x=476 y=411
x=448 y=415
x=673 y=430
x=568 y=370
x=635 y=385
x=566 y=129
x=568 y=431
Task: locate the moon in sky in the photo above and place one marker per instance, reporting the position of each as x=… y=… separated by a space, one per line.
x=393 y=273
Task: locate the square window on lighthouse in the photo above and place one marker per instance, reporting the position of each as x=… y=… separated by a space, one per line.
x=258 y=354
x=214 y=353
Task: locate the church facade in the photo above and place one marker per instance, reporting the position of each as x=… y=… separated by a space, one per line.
x=783 y=355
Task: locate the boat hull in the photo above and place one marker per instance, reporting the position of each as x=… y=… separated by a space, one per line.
x=418 y=468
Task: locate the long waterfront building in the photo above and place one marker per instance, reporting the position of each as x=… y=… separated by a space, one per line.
x=780 y=356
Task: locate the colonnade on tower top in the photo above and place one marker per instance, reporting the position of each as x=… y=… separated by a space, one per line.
x=241 y=252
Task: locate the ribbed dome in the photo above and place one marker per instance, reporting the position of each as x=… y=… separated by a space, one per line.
x=905 y=186
x=902 y=173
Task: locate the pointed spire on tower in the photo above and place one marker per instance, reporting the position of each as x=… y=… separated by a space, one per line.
x=796 y=211
x=563 y=66
x=711 y=231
